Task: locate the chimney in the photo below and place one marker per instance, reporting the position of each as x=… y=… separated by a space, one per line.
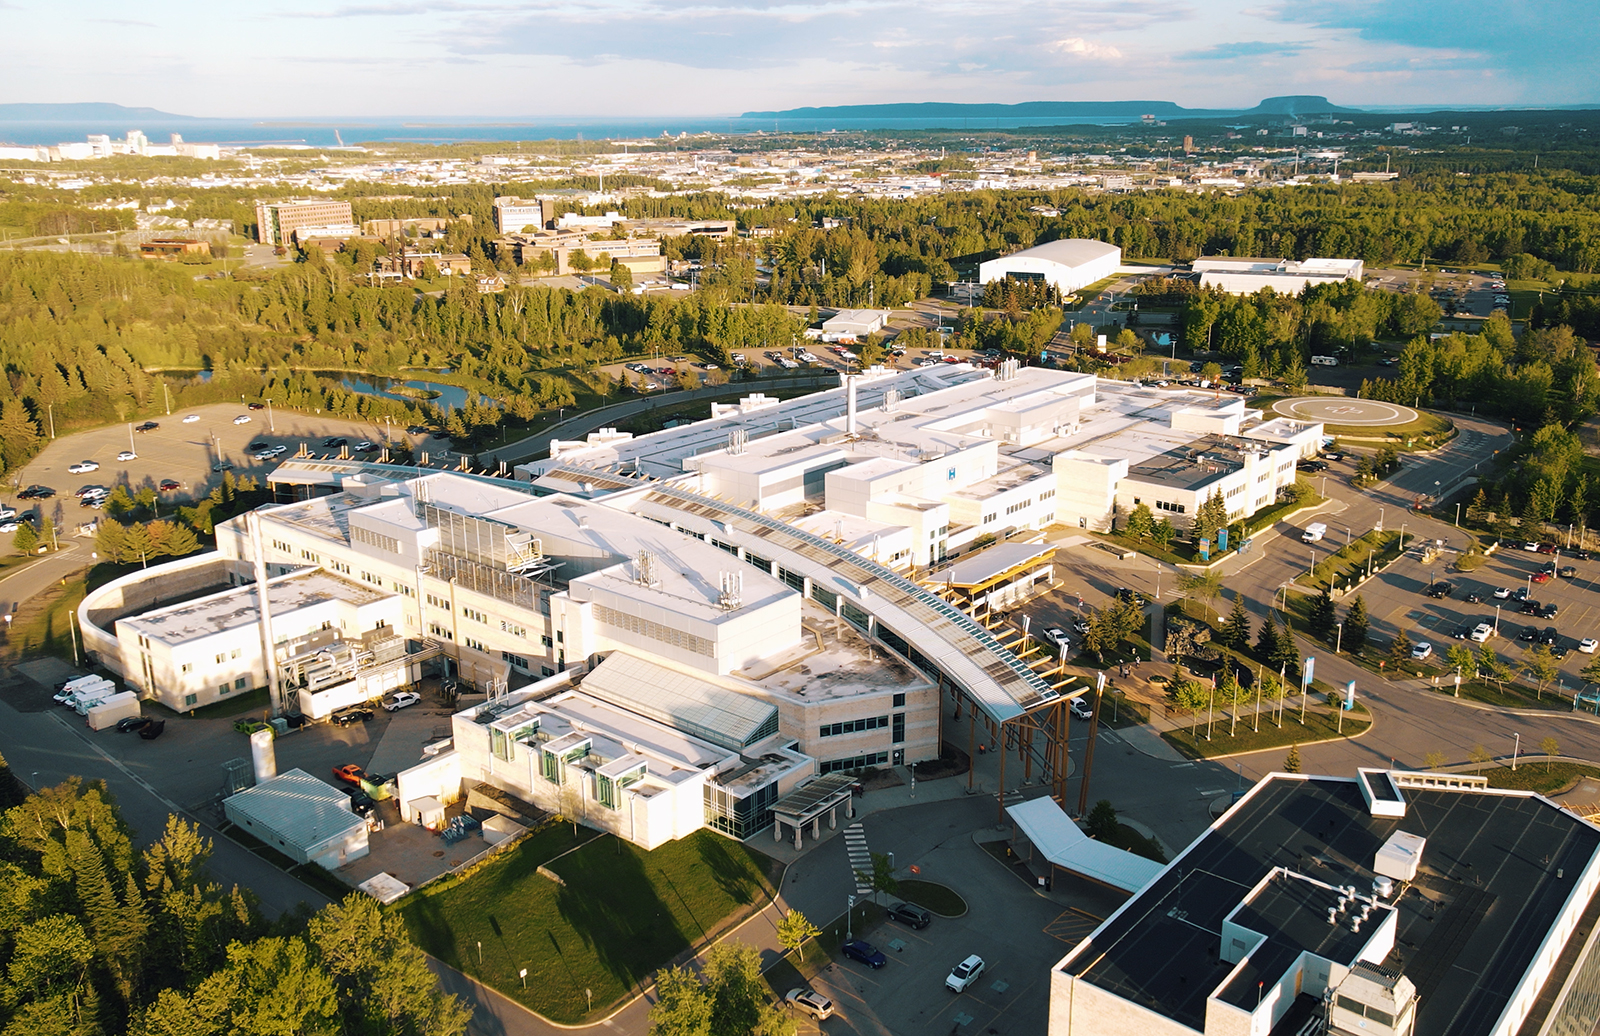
x=849 y=404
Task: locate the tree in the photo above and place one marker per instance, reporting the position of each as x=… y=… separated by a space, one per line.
x=795 y=929
x=1542 y=666
x=1433 y=760
x=1480 y=755
x=382 y=976
x=1203 y=586
x=728 y=998
x=1493 y=668
x=1188 y=695
x=1322 y=616
x=881 y=877
x=1102 y=823
x=1355 y=626
x=1211 y=515
x=579 y=260
x=1285 y=655
x=1460 y=658
x=683 y=1005
x=1291 y=762
x=1551 y=748
x=621 y=276
x=1591 y=672
x=25 y=539
x=1140 y=523
x=1267 y=638
x=1400 y=648
x=1211 y=371
x=1235 y=632
x=1162 y=532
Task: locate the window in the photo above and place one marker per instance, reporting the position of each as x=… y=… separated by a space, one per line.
x=234 y=653
x=517 y=661
x=238 y=684
x=476 y=645
x=513 y=629
x=340 y=566
x=282 y=546
x=900 y=701
x=186 y=667
x=311 y=556
x=1162 y=505
x=656 y=631
x=474 y=614
x=1050 y=494
x=1235 y=491
x=897 y=732
x=190 y=699
x=440 y=631
x=437 y=601
x=375 y=580
x=222 y=656
x=222 y=688
x=404 y=589
x=1020 y=506
x=546 y=642
x=853 y=726
x=989 y=518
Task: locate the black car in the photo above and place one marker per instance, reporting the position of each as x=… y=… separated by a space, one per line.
x=1559 y=652
x=335 y=441
x=132 y=723
x=258 y=406
x=152 y=730
x=1549 y=611
x=1529 y=634
x=1473 y=598
x=148 y=426
x=911 y=915
x=36 y=493
x=1549 y=635
x=1579 y=555
x=259 y=445
x=1312 y=465
x=1521 y=594
x=1464 y=630
x=360 y=801
x=1531 y=607
x=1439 y=590
x=354 y=714
x=1332 y=455
x=222 y=465
x=1133 y=596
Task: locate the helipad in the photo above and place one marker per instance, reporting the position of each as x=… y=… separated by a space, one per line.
x=1340 y=410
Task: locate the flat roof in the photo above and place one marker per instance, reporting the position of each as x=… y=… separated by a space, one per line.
x=689 y=701
x=1071 y=251
x=237 y=607
x=1061 y=842
x=1468 y=927
x=302 y=809
x=989 y=563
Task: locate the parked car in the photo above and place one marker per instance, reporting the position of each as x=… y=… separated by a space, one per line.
x=353 y=714
x=242 y=419
x=1439 y=590
x=83 y=467
x=127 y=455
x=152 y=730
x=811 y=1002
x=259 y=445
x=258 y=406
x=1501 y=593
x=1138 y=599
x=1568 y=572
x=1057 y=636
x=1549 y=611
x=350 y=773
x=1530 y=545
x=1587 y=645
x=364 y=445
x=191 y=418
x=1542 y=576
x=912 y=915
x=36 y=493
x=1549 y=635
x=148 y=426
x=360 y=802
x=1520 y=594
x=169 y=485
x=1422 y=649
x=1463 y=630
x=1547 y=548
x=1473 y=598
x=1312 y=466
x=964 y=974
x=1529 y=634
x=132 y=723
x=222 y=465
x=396 y=702
x=864 y=952
x=1482 y=632
x=1530 y=607
x=1080 y=709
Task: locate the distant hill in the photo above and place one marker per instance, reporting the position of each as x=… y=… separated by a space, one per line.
x=1272 y=106
x=90 y=111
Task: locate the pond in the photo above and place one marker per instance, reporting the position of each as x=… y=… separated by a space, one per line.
x=449 y=396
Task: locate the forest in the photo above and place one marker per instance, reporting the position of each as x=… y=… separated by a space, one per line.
x=100 y=939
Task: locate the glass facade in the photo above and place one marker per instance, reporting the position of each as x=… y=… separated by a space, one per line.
x=738 y=816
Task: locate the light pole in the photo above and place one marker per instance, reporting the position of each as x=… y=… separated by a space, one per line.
x=1497 y=620
x=1347 y=537
x=51 y=407
x=1338 y=645
x=1458 y=514
x=1516 y=748
x=272 y=426
x=1380 y=521
x=1402 y=537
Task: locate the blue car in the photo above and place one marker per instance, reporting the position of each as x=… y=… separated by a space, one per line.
x=864 y=952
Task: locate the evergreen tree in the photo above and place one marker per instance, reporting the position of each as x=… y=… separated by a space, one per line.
x=1355 y=626
x=1267 y=638
x=1322 y=618
x=24 y=540
x=1235 y=632
x=1286 y=655
x=1400 y=648
x=1291 y=762
x=1140 y=524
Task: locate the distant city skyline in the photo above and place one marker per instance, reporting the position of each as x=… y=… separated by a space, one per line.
x=479 y=58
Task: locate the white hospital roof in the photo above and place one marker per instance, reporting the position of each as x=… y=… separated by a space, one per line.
x=236 y=607
x=299 y=808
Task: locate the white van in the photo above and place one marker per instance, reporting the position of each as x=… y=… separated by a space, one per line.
x=88 y=698
x=67 y=695
x=1314 y=532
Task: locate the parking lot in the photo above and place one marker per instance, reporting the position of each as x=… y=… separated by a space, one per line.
x=1007 y=924
x=183 y=452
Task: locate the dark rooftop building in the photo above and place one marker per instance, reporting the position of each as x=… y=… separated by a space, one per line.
x=1390 y=903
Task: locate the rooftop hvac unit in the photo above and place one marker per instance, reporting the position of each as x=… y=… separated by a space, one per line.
x=1400 y=856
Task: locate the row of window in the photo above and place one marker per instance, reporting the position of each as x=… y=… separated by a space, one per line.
x=652 y=630
x=855 y=762
x=474 y=614
x=1021 y=505
x=854 y=726
x=373 y=539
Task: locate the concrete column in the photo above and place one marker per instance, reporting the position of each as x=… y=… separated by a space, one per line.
x=816 y=828
x=777 y=830
x=833 y=819
x=798 y=833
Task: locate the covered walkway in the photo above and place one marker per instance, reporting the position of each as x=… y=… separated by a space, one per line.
x=1057 y=838
x=806 y=804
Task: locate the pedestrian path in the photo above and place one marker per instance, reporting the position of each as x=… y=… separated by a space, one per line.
x=855 y=846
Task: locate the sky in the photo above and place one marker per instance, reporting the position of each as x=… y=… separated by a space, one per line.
x=504 y=58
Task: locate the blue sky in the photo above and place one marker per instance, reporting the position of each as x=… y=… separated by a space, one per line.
x=702 y=57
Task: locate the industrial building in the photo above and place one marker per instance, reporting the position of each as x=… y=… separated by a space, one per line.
x=1388 y=904
x=854 y=323
x=276 y=221
x=306 y=819
x=516 y=215
x=1285 y=276
x=1069 y=264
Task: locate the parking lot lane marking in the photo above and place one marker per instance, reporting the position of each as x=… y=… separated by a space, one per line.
x=1181 y=766
x=1072 y=925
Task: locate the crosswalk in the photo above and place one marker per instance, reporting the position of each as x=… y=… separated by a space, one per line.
x=855 y=846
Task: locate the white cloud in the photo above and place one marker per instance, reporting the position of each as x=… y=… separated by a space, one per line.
x=1077 y=46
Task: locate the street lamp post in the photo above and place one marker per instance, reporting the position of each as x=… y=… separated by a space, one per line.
x=1338 y=644
x=1402 y=537
x=272 y=426
x=1516 y=748
x=1458 y=514
x=1497 y=620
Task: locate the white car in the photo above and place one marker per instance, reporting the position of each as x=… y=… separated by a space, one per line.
x=191 y=418
x=811 y=1002
x=7 y=513
x=83 y=467
x=1587 y=645
x=1502 y=592
x=401 y=700
x=8 y=526
x=1081 y=709
x=1482 y=632
x=127 y=455
x=1422 y=650
x=242 y=419
x=964 y=974
x=1057 y=636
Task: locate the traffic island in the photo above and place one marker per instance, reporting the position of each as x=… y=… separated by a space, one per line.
x=1322 y=723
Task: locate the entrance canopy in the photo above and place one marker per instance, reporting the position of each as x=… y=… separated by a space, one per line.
x=805 y=804
x=1060 y=841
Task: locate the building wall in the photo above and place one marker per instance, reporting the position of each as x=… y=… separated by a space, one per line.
x=805 y=719
x=277 y=221
x=512 y=215
x=1067 y=278
x=1086 y=489
x=332 y=853
x=1078 y=1008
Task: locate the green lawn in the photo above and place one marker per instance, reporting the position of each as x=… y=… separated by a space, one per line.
x=1320 y=725
x=1540 y=777
x=1431 y=426
x=941 y=899
x=1349 y=563
x=622 y=914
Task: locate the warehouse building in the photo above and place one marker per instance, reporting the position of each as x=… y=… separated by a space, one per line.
x=1388 y=904
x=306 y=819
x=1285 y=276
x=1069 y=264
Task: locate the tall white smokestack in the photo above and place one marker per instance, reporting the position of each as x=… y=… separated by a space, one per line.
x=849 y=404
